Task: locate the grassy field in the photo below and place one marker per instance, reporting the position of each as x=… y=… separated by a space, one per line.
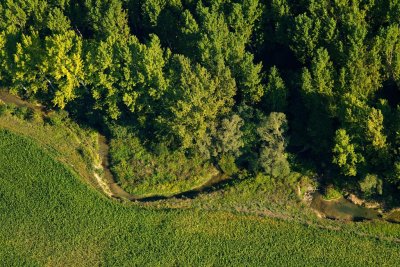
x=66 y=141
x=49 y=217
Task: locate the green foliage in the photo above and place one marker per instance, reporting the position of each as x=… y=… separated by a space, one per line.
x=178 y=75
x=36 y=117
x=9 y=109
x=195 y=100
x=28 y=77
x=305 y=37
x=64 y=65
x=371 y=185
x=331 y=193
x=23 y=113
x=57 y=118
x=228 y=138
x=159 y=171
x=57 y=22
x=276 y=93
x=227 y=165
x=344 y=154
x=107 y=18
x=273 y=158
x=396 y=173
x=126 y=73
x=389 y=44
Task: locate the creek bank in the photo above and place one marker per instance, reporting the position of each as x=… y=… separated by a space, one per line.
x=343 y=209
x=352 y=208
x=393 y=216
x=362 y=202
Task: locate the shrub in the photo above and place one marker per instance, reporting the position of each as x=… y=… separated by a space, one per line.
x=36 y=117
x=7 y=109
x=23 y=113
x=371 y=185
x=331 y=193
x=57 y=118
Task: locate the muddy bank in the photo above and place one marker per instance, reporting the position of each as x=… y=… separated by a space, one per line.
x=343 y=209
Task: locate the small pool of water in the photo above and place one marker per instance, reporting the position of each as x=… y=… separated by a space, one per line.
x=343 y=209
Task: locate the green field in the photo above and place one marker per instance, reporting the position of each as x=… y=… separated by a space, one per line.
x=49 y=217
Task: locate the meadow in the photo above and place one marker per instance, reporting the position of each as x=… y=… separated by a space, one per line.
x=49 y=217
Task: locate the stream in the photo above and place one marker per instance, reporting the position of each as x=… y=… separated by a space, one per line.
x=343 y=209
x=340 y=209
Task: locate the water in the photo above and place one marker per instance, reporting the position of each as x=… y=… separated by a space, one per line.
x=343 y=209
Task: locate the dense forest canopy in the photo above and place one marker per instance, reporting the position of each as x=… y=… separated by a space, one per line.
x=184 y=86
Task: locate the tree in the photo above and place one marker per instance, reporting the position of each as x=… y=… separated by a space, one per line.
x=57 y=22
x=18 y=16
x=305 y=36
x=317 y=91
x=64 y=66
x=276 y=93
x=4 y=57
x=389 y=45
x=371 y=185
x=194 y=102
x=344 y=154
x=126 y=74
x=28 y=77
x=375 y=129
x=272 y=157
x=228 y=137
x=107 y=18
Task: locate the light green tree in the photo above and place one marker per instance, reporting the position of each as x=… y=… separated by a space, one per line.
x=64 y=66
x=272 y=157
x=28 y=77
x=194 y=102
x=344 y=154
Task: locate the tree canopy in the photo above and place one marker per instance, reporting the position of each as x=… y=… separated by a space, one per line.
x=261 y=83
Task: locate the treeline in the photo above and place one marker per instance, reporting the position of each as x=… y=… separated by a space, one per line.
x=227 y=83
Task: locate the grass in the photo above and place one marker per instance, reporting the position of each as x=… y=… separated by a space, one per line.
x=49 y=217
x=68 y=142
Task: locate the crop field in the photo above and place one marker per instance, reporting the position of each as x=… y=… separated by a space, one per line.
x=49 y=217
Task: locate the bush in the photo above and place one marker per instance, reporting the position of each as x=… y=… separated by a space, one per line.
x=6 y=109
x=331 y=193
x=371 y=185
x=23 y=113
x=145 y=171
x=36 y=117
x=57 y=118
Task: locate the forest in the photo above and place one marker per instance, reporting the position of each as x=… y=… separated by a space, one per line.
x=184 y=89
